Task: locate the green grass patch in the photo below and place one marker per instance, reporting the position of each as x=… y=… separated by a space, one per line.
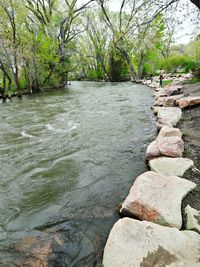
x=167 y=82
x=193 y=81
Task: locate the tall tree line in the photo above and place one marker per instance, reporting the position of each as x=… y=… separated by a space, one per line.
x=44 y=42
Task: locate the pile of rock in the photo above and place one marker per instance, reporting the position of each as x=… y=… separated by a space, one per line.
x=172 y=96
x=152 y=234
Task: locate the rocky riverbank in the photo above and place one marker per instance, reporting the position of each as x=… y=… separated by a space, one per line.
x=162 y=223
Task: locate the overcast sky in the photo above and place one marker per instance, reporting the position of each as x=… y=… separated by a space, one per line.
x=185 y=31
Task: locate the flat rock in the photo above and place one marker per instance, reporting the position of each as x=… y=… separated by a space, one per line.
x=132 y=243
x=169 y=116
x=188 y=101
x=153 y=85
x=169 y=101
x=192 y=219
x=157 y=198
x=33 y=251
x=174 y=90
x=172 y=146
x=170 y=166
x=160 y=94
x=166 y=131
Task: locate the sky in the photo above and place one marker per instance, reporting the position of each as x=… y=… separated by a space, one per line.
x=188 y=29
x=185 y=32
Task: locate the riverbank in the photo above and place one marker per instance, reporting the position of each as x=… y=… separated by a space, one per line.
x=190 y=127
x=156 y=202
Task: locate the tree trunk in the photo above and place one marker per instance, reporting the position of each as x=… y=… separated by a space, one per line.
x=17 y=83
x=134 y=76
x=141 y=65
x=9 y=85
x=4 y=87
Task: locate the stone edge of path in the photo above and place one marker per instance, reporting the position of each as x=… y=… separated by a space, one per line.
x=159 y=126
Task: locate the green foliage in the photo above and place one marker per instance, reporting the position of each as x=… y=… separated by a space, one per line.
x=52 y=41
x=117 y=67
x=193 y=81
x=177 y=63
x=23 y=81
x=197 y=73
x=167 y=82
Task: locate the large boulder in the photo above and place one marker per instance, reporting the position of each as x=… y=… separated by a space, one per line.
x=160 y=94
x=157 y=198
x=192 y=219
x=169 y=101
x=171 y=146
x=188 y=101
x=166 y=131
x=155 y=109
x=132 y=243
x=169 y=116
x=174 y=90
x=152 y=151
x=170 y=166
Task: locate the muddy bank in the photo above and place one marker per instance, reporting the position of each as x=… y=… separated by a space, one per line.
x=190 y=127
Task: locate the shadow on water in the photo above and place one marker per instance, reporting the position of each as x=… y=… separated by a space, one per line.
x=69 y=157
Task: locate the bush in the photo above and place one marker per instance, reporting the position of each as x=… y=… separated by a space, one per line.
x=197 y=73
x=178 y=63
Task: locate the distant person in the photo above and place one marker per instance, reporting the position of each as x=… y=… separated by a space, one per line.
x=69 y=83
x=161 y=79
x=151 y=77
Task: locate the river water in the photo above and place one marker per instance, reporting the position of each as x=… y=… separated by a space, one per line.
x=68 y=159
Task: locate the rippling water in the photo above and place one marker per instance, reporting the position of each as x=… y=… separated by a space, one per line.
x=68 y=158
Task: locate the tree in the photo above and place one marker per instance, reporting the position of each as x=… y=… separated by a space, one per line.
x=12 y=13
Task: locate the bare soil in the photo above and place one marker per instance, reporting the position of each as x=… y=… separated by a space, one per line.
x=190 y=127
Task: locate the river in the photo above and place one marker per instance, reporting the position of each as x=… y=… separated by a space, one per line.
x=68 y=159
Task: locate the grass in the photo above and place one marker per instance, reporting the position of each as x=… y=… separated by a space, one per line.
x=193 y=81
x=167 y=82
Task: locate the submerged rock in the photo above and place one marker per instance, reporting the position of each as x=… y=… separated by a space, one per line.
x=31 y=251
x=132 y=243
x=157 y=198
x=171 y=146
x=192 y=219
x=170 y=166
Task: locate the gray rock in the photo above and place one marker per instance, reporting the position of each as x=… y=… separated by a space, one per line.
x=132 y=243
x=188 y=101
x=174 y=90
x=157 y=198
x=169 y=116
x=170 y=166
x=167 y=131
x=172 y=146
x=193 y=219
x=169 y=101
